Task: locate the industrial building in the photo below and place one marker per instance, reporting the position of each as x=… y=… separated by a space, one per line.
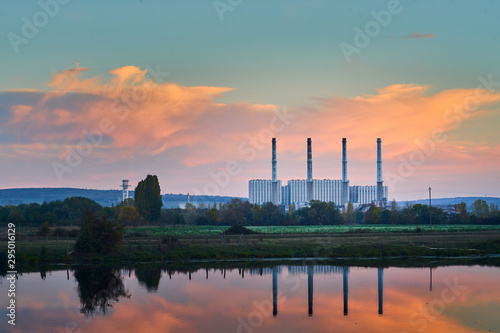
x=300 y=192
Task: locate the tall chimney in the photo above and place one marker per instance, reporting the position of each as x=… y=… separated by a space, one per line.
x=309 y=171
x=345 y=182
x=379 y=171
x=274 y=183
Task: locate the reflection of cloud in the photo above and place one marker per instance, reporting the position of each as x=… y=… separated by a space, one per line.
x=214 y=305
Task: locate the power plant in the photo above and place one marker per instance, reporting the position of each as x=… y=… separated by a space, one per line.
x=300 y=192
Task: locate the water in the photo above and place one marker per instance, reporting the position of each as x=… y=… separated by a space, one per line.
x=285 y=298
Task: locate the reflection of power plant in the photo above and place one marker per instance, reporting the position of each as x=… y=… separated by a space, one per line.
x=300 y=192
x=149 y=278
x=310 y=271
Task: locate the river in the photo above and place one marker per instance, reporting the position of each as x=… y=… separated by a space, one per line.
x=281 y=298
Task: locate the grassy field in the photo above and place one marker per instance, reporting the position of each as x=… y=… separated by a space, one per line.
x=372 y=243
x=185 y=231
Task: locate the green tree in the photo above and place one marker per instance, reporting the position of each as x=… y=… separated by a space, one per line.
x=128 y=215
x=480 y=209
x=233 y=213
x=212 y=216
x=494 y=210
x=43 y=230
x=271 y=214
x=97 y=235
x=349 y=215
x=385 y=217
x=372 y=216
x=359 y=217
x=393 y=205
x=461 y=210
x=148 y=198
x=319 y=212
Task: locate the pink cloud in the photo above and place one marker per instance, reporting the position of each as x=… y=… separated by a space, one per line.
x=190 y=125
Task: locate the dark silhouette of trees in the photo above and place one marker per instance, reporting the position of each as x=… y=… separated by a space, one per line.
x=320 y=213
x=97 y=235
x=372 y=216
x=149 y=277
x=99 y=288
x=148 y=198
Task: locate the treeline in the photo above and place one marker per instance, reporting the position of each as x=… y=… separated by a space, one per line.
x=71 y=211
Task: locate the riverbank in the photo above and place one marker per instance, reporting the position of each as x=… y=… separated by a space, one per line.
x=265 y=246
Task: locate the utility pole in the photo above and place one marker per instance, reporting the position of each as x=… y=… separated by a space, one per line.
x=430 y=213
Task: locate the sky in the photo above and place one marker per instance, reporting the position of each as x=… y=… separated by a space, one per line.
x=94 y=92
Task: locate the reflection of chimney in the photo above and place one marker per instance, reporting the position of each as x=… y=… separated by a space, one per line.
x=345 y=182
x=275 y=291
x=380 y=291
x=310 y=289
x=274 y=184
x=345 y=289
x=309 y=171
x=379 y=171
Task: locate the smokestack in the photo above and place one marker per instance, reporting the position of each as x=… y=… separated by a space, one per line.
x=345 y=182
x=275 y=179
x=379 y=171
x=274 y=183
x=344 y=159
x=309 y=171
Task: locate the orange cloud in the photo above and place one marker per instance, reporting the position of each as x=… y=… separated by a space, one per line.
x=417 y=35
x=148 y=118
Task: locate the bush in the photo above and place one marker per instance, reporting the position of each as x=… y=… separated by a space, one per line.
x=97 y=235
x=73 y=233
x=43 y=230
x=60 y=232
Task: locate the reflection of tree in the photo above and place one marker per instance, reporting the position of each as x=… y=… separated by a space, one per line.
x=99 y=288
x=43 y=272
x=149 y=277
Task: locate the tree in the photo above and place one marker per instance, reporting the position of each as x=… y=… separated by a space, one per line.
x=394 y=206
x=385 y=217
x=128 y=215
x=494 y=210
x=372 y=216
x=233 y=213
x=271 y=214
x=148 y=198
x=349 y=216
x=212 y=216
x=319 y=212
x=461 y=210
x=480 y=209
x=97 y=235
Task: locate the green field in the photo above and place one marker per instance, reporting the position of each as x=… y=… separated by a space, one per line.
x=183 y=231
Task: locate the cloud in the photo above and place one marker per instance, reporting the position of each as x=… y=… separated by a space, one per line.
x=188 y=125
x=418 y=35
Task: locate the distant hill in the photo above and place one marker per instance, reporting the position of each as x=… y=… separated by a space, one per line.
x=16 y=196
x=443 y=202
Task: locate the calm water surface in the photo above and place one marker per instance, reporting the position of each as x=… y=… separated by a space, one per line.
x=285 y=298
